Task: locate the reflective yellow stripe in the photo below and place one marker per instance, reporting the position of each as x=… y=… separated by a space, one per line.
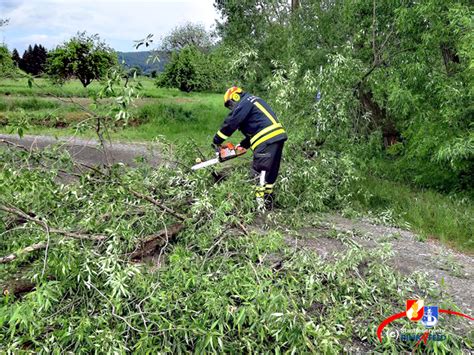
x=222 y=135
x=265 y=130
x=265 y=112
x=267 y=137
x=269 y=186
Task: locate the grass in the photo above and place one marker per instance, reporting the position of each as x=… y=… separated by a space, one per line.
x=177 y=122
x=448 y=218
x=73 y=88
x=20 y=87
x=27 y=103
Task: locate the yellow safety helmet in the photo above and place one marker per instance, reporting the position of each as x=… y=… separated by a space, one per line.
x=232 y=95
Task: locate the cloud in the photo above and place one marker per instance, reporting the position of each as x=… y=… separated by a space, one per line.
x=118 y=22
x=47 y=40
x=7 y=5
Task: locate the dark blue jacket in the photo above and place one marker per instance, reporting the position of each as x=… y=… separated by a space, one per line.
x=256 y=120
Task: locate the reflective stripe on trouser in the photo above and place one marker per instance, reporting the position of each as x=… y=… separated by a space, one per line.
x=259 y=191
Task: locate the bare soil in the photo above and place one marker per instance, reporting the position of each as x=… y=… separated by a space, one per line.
x=451 y=270
x=90 y=152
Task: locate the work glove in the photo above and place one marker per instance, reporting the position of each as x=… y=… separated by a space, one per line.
x=245 y=143
x=217 y=140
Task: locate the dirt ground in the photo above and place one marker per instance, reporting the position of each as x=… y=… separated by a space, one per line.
x=451 y=270
x=89 y=151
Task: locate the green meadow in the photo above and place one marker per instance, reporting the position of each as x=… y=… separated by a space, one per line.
x=157 y=113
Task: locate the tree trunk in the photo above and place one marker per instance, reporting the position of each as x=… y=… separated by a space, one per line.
x=295 y=4
x=85 y=81
x=18 y=287
x=380 y=118
x=450 y=58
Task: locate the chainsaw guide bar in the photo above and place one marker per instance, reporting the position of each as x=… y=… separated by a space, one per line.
x=225 y=152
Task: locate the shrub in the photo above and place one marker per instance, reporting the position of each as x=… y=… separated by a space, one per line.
x=192 y=70
x=7 y=67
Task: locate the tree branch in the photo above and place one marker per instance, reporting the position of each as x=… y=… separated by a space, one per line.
x=18 y=146
x=28 y=249
x=141 y=196
x=45 y=226
x=157 y=203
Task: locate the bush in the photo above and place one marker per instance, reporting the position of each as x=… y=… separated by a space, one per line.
x=192 y=70
x=316 y=183
x=7 y=67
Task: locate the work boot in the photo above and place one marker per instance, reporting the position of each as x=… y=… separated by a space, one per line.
x=269 y=202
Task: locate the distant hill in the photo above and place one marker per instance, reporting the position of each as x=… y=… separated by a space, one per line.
x=132 y=59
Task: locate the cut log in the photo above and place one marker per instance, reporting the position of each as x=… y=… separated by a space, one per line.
x=151 y=243
x=18 y=287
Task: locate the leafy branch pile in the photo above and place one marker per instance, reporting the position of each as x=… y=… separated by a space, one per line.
x=160 y=260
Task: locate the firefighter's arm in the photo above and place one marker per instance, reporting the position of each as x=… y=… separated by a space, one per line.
x=232 y=122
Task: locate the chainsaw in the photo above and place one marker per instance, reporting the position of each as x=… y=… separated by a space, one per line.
x=223 y=153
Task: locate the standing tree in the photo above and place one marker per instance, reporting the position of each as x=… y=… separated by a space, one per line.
x=185 y=71
x=40 y=55
x=85 y=57
x=7 y=66
x=34 y=60
x=27 y=59
x=189 y=34
x=16 y=57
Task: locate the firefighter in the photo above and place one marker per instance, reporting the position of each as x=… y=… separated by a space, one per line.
x=263 y=134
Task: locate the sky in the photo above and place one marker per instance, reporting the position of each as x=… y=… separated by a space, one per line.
x=118 y=22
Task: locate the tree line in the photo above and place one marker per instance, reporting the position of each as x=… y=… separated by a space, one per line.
x=190 y=61
x=33 y=60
